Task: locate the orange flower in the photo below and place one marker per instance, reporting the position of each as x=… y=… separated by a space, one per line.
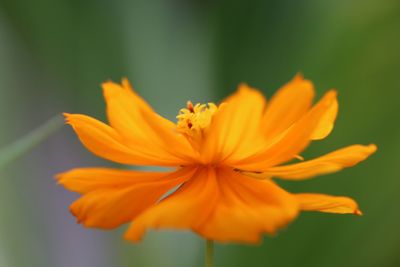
x=224 y=158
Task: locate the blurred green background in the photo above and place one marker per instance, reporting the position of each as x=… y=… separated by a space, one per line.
x=55 y=53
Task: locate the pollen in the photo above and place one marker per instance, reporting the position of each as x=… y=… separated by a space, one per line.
x=193 y=119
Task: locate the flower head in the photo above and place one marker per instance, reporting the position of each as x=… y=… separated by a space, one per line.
x=225 y=160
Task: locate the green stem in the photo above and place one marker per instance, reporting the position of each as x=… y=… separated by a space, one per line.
x=209 y=255
x=29 y=141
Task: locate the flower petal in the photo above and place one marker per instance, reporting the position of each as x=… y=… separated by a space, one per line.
x=290 y=143
x=85 y=180
x=186 y=208
x=332 y=162
x=235 y=127
x=326 y=122
x=287 y=106
x=326 y=203
x=106 y=142
x=247 y=208
x=113 y=197
x=136 y=121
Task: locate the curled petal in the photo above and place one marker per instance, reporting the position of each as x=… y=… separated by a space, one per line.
x=113 y=197
x=106 y=142
x=326 y=203
x=329 y=163
x=292 y=141
x=288 y=105
x=326 y=122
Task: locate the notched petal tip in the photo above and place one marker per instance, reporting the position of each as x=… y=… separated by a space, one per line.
x=299 y=76
x=67 y=117
x=245 y=89
x=299 y=81
x=331 y=95
x=243 y=85
x=70 y=118
x=110 y=86
x=72 y=210
x=358 y=212
x=126 y=84
x=63 y=179
x=109 y=82
x=372 y=148
x=110 y=89
x=132 y=238
x=80 y=219
x=58 y=177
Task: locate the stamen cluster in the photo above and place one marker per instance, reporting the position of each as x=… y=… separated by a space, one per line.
x=195 y=118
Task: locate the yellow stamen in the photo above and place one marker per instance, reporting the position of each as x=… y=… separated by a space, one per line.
x=193 y=119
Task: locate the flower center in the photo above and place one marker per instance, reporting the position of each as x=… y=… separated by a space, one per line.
x=192 y=120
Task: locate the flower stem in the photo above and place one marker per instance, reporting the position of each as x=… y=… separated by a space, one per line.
x=209 y=255
x=29 y=141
